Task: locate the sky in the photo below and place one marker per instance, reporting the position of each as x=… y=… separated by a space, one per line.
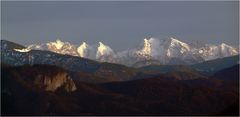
x=120 y=25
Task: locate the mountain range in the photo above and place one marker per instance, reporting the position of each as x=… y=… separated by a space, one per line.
x=43 y=82
x=166 y=51
x=106 y=71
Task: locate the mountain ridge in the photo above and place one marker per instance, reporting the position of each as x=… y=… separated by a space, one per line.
x=116 y=89
x=164 y=50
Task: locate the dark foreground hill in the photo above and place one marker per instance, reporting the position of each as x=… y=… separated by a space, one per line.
x=212 y=66
x=189 y=97
x=22 y=94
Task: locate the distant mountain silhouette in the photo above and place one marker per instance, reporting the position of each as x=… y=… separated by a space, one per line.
x=210 y=67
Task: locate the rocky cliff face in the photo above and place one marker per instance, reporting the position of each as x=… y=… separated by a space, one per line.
x=52 y=83
x=41 y=77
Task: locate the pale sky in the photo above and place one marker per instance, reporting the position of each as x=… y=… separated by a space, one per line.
x=120 y=25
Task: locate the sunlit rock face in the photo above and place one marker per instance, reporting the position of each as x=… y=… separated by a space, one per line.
x=151 y=49
x=53 y=82
x=146 y=50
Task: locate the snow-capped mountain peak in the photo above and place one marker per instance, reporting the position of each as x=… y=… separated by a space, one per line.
x=102 y=49
x=175 y=42
x=58 y=44
x=82 y=50
x=209 y=52
x=146 y=49
x=175 y=48
x=224 y=46
x=227 y=50
x=104 y=53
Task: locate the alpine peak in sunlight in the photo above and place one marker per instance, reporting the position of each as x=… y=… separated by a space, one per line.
x=146 y=50
x=104 y=53
x=58 y=44
x=82 y=50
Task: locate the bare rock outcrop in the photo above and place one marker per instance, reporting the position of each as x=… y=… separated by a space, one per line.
x=45 y=77
x=52 y=83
